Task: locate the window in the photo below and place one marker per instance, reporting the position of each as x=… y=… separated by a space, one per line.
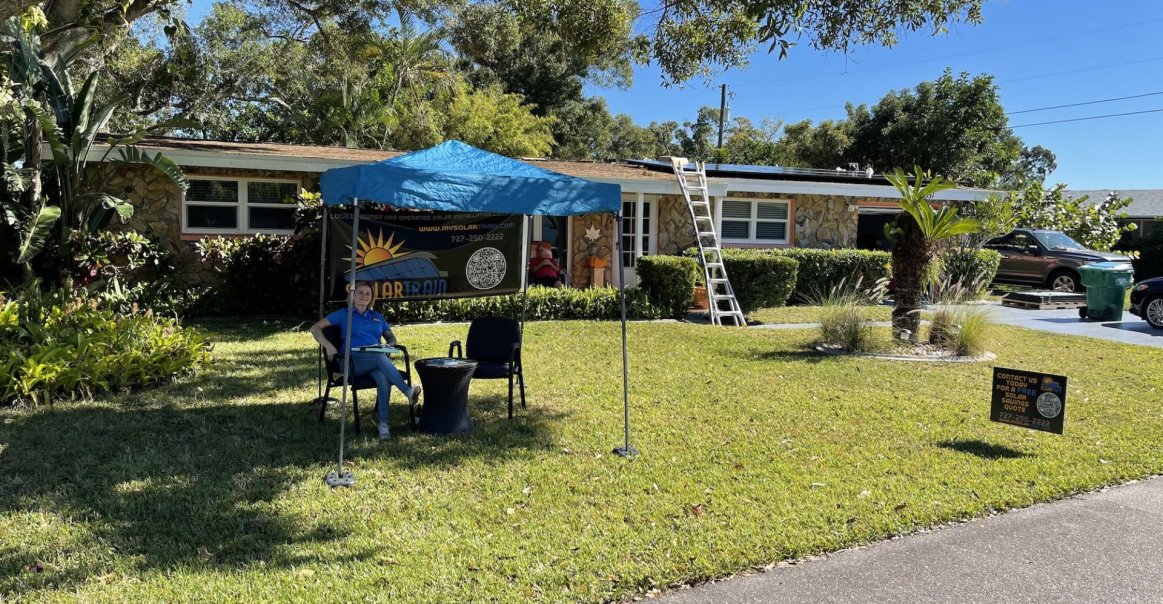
x=753 y=221
x=637 y=215
x=240 y=206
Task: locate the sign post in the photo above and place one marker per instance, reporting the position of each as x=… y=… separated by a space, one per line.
x=1031 y=400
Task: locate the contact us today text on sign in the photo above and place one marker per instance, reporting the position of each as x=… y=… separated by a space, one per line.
x=1028 y=399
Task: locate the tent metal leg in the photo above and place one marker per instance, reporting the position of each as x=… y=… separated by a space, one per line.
x=340 y=477
x=625 y=450
x=321 y=399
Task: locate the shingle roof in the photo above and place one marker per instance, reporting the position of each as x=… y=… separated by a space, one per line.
x=583 y=169
x=1148 y=203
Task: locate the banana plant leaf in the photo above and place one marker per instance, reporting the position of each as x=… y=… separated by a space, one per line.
x=38 y=232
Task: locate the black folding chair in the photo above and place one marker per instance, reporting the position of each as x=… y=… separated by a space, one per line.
x=356 y=383
x=495 y=344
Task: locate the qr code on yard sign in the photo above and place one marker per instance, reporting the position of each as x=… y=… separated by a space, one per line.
x=485 y=268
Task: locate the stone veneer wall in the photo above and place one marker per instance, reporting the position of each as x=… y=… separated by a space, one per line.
x=675 y=232
x=824 y=221
x=821 y=221
x=157 y=204
x=581 y=248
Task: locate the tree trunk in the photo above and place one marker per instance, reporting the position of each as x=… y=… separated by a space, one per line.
x=910 y=255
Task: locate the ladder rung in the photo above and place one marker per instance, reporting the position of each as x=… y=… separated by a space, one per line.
x=710 y=248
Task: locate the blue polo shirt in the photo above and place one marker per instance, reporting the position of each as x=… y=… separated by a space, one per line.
x=366 y=327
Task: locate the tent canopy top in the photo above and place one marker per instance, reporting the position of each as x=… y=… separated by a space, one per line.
x=456 y=177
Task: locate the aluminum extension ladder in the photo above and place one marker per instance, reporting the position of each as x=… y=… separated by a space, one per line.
x=698 y=200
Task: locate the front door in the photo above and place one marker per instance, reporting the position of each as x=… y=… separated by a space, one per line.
x=555 y=230
x=639 y=211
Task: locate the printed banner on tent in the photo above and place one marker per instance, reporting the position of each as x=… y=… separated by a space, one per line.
x=428 y=255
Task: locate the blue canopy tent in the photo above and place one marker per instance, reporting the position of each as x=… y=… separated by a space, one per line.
x=456 y=177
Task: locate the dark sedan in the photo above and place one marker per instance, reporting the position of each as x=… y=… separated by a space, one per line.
x=1147 y=301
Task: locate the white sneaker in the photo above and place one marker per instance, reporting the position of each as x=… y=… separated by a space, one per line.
x=414 y=396
x=385 y=434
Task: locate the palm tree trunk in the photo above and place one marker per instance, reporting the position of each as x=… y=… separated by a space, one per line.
x=910 y=255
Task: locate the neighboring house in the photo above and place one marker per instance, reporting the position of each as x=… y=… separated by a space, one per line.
x=241 y=189
x=1145 y=209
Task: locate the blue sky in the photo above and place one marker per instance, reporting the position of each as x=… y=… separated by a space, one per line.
x=1042 y=53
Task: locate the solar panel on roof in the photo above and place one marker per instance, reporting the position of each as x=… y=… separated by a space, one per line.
x=768 y=171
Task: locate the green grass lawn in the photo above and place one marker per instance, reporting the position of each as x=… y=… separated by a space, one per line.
x=811 y=314
x=752 y=450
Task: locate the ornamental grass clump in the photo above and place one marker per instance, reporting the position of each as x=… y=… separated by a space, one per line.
x=841 y=319
x=956 y=326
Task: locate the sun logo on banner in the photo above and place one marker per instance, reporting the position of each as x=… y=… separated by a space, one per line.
x=375 y=250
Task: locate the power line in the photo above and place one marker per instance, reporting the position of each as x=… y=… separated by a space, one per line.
x=1093 y=117
x=1070 y=71
x=1118 y=98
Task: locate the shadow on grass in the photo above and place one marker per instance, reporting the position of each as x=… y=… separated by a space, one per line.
x=785 y=356
x=983 y=449
x=169 y=486
x=247 y=329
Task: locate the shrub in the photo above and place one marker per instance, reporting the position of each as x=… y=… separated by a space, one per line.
x=544 y=304
x=669 y=282
x=972 y=270
x=821 y=270
x=264 y=274
x=55 y=347
x=759 y=278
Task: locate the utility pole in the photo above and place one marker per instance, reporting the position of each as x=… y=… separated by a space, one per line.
x=722 y=113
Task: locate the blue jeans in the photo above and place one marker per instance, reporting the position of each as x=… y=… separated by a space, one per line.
x=385 y=374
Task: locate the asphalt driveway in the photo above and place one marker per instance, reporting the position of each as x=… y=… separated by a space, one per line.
x=1131 y=330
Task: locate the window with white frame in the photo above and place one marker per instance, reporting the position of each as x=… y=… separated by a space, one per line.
x=239 y=205
x=753 y=221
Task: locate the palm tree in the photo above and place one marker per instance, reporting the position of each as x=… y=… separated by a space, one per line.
x=916 y=231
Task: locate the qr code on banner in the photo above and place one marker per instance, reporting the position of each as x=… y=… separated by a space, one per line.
x=485 y=268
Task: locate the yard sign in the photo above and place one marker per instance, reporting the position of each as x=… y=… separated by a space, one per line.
x=1028 y=399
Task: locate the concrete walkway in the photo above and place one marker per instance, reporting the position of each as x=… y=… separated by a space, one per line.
x=1098 y=547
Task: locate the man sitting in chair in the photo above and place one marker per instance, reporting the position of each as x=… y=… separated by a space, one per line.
x=543 y=269
x=367 y=327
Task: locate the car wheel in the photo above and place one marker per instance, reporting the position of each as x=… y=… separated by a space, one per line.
x=1064 y=281
x=1153 y=312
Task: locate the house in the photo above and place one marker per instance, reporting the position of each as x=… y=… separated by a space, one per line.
x=1145 y=209
x=240 y=189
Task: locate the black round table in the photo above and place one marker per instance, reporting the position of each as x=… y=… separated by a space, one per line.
x=445 y=395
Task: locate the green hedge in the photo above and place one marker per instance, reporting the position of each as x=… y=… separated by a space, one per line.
x=818 y=271
x=54 y=347
x=669 y=282
x=822 y=270
x=544 y=304
x=759 y=278
x=973 y=270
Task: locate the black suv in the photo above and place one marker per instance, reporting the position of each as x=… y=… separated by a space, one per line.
x=1044 y=259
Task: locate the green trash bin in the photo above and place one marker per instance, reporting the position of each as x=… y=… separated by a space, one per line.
x=1106 y=289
